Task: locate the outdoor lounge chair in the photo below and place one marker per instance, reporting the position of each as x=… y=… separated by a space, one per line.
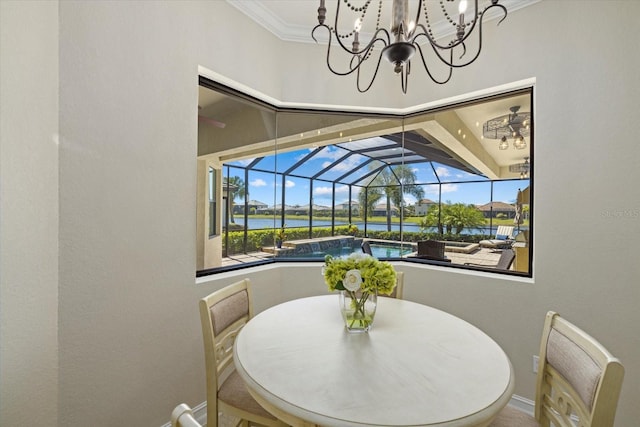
x=504 y=263
x=366 y=248
x=504 y=238
x=432 y=250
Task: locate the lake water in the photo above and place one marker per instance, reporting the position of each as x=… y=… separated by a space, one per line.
x=261 y=223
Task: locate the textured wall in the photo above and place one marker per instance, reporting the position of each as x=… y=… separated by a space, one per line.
x=129 y=341
x=29 y=213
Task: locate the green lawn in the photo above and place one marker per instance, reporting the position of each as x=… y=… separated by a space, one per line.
x=382 y=220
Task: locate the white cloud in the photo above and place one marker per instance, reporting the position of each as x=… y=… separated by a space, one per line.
x=341 y=189
x=318 y=191
x=289 y=184
x=258 y=183
x=449 y=188
x=446 y=188
x=442 y=171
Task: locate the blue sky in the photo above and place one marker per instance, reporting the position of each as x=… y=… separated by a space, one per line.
x=267 y=187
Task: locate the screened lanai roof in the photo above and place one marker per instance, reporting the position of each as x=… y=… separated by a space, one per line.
x=359 y=162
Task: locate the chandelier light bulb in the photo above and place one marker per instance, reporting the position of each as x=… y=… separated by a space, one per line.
x=357 y=26
x=503 y=143
x=462 y=6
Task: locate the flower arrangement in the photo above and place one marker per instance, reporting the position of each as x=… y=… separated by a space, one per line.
x=359 y=276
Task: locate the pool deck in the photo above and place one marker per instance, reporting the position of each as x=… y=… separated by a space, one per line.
x=483 y=256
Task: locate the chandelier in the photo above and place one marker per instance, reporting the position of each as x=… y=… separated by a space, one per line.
x=400 y=43
x=521 y=168
x=514 y=125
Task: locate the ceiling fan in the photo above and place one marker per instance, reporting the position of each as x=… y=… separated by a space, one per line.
x=210 y=121
x=508 y=125
x=514 y=125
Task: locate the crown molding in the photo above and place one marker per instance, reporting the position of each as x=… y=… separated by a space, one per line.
x=262 y=14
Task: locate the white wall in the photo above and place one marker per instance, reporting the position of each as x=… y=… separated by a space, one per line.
x=129 y=340
x=28 y=213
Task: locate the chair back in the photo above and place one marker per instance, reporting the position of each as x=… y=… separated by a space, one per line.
x=222 y=314
x=504 y=230
x=577 y=378
x=399 y=289
x=366 y=248
x=431 y=249
x=182 y=416
x=506 y=259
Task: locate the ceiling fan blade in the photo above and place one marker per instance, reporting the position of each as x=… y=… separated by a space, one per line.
x=211 y=121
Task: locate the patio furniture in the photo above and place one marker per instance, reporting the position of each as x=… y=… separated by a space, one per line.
x=432 y=250
x=504 y=262
x=366 y=248
x=223 y=314
x=504 y=238
x=577 y=378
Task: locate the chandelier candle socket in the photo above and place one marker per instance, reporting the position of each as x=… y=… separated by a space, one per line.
x=359 y=278
x=410 y=31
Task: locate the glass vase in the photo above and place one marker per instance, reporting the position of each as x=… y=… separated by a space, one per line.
x=358 y=309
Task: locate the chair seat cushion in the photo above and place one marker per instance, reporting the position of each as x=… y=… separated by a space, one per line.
x=234 y=392
x=512 y=417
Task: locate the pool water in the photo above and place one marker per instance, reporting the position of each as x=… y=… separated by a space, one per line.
x=390 y=250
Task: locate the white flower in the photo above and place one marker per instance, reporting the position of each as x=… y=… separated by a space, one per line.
x=352 y=280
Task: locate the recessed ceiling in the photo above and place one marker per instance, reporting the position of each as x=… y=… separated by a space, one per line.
x=293 y=20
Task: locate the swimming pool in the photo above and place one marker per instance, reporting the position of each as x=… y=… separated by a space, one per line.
x=390 y=250
x=341 y=247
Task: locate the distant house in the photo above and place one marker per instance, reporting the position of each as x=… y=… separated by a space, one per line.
x=381 y=210
x=254 y=206
x=422 y=206
x=355 y=207
x=492 y=209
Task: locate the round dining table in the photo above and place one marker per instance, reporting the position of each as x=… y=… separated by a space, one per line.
x=417 y=366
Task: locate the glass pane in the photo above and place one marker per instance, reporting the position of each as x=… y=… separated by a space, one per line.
x=319 y=182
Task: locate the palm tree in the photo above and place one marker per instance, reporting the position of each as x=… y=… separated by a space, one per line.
x=395 y=182
x=368 y=197
x=432 y=219
x=453 y=217
x=236 y=190
x=460 y=216
x=407 y=178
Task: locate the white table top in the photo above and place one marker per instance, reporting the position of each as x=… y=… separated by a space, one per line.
x=417 y=366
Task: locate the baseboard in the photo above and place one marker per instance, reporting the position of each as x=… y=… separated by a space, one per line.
x=523 y=404
x=199 y=413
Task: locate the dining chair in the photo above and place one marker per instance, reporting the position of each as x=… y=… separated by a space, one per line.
x=182 y=416
x=578 y=381
x=223 y=313
x=398 y=290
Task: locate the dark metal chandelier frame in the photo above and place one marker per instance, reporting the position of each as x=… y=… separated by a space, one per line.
x=407 y=36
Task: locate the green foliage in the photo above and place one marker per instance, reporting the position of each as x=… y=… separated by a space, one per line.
x=452 y=218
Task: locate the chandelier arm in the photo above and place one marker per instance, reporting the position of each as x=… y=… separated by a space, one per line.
x=450 y=62
x=426 y=67
x=468 y=33
x=360 y=58
x=375 y=73
x=369 y=45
